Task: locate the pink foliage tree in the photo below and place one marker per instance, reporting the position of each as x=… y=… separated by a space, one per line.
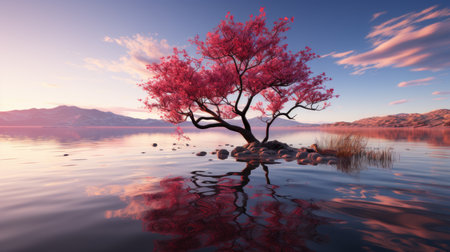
x=241 y=67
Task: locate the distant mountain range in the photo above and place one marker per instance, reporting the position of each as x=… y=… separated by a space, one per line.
x=64 y=116
x=436 y=118
x=71 y=116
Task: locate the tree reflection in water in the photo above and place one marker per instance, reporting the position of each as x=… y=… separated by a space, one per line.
x=215 y=211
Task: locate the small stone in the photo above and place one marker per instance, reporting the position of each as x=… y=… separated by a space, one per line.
x=245 y=153
x=210 y=159
x=269 y=152
x=65 y=155
x=187 y=144
x=286 y=156
x=237 y=150
x=304 y=161
x=174 y=144
x=301 y=155
x=314 y=147
x=262 y=149
x=154 y=144
x=143 y=152
x=201 y=153
x=213 y=152
x=223 y=154
x=227 y=144
x=313 y=156
x=283 y=152
x=251 y=145
x=332 y=162
x=322 y=159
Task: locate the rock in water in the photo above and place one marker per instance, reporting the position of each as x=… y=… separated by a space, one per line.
x=223 y=154
x=201 y=153
x=237 y=150
x=301 y=155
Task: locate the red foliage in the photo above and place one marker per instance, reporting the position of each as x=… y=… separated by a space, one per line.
x=238 y=63
x=215 y=211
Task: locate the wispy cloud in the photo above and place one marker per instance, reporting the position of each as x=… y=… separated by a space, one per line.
x=49 y=85
x=337 y=55
x=419 y=40
x=441 y=93
x=141 y=51
x=419 y=82
x=376 y=15
x=398 y=102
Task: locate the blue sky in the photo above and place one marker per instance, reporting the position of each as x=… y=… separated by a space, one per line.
x=385 y=57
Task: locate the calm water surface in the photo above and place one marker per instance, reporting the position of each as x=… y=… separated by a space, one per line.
x=113 y=191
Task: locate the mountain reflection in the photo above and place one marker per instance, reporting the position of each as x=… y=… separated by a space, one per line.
x=75 y=134
x=215 y=211
x=434 y=137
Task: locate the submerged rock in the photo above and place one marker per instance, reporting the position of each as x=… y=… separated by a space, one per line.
x=201 y=153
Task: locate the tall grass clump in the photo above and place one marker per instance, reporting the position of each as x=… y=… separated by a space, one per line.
x=353 y=152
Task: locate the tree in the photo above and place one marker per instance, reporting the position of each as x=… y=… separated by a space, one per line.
x=218 y=211
x=241 y=67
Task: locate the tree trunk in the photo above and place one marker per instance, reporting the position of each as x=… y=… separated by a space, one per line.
x=249 y=137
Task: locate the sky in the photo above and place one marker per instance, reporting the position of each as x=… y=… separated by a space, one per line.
x=384 y=57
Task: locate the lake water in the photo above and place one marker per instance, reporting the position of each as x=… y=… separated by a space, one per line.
x=111 y=190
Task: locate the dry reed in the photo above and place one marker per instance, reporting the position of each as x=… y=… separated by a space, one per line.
x=353 y=152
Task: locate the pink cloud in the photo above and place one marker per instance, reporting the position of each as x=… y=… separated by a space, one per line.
x=141 y=51
x=337 y=55
x=419 y=40
x=398 y=102
x=376 y=15
x=419 y=82
x=342 y=54
x=441 y=93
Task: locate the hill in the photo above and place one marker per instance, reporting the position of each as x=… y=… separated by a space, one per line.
x=436 y=118
x=71 y=116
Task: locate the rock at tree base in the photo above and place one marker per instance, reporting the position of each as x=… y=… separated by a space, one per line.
x=223 y=154
x=270 y=151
